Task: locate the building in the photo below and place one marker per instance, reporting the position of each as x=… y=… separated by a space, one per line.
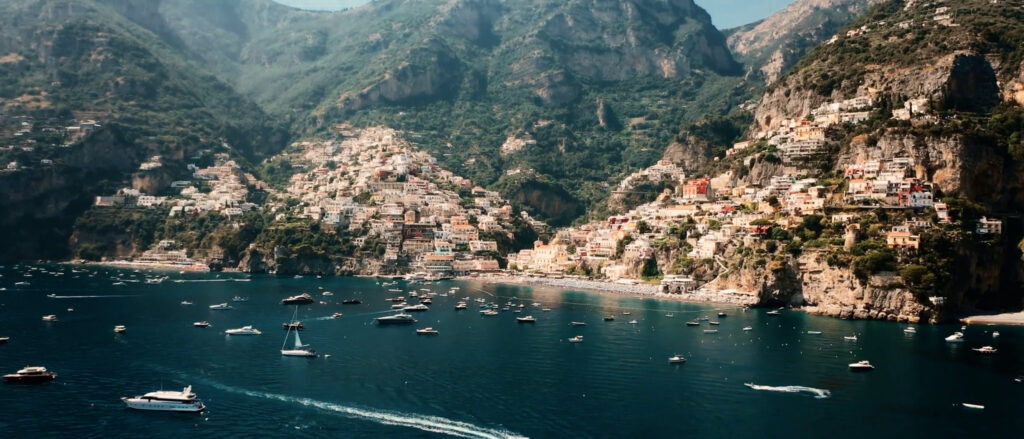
x=988 y=226
x=901 y=238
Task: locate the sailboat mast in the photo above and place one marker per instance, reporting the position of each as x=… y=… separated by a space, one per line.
x=289 y=331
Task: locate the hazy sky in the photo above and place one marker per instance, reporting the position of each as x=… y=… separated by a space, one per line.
x=725 y=13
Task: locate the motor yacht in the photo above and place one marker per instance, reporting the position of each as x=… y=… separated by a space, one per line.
x=427 y=331
x=166 y=400
x=956 y=337
x=526 y=319
x=576 y=339
x=301 y=299
x=245 y=330
x=396 y=319
x=676 y=359
x=120 y=329
x=203 y=324
x=577 y=324
x=985 y=350
x=297 y=326
x=221 y=307
x=416 y=308
x=30 y=374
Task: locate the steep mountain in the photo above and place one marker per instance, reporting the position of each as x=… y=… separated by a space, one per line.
x=593 y=89
x=771 y=46
x=68 y=61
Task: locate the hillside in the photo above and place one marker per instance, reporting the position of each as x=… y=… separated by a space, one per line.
x=591 y=89
x=129 y=96
x=771 y=46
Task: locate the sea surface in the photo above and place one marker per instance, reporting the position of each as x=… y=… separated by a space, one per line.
x=481 y=377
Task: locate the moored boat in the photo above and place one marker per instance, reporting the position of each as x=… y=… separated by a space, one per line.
x=120 y=329
x=577 y=324
x=396 y=319
x=956 y=337
x=202 y=324
x=526 y=319
x=416 y=308
x=351 y=302
x=300 y=299
x=985 y=350
x=850 y=337
x=221 y=307
x=676 y=359
x=245 y=330
x=863 y=365
x=427 y=331
x=30 y=374
x=576 y=339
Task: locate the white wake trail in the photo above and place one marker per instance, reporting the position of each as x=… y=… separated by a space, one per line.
x=818 y=393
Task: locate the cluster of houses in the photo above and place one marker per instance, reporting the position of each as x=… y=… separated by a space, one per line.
x=23 y=133
x=383 y=190
x=887 y=182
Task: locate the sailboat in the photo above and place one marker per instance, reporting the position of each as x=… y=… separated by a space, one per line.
x=299 y=350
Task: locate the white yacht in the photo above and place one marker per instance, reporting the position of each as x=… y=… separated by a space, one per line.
x=526 y=319
x=166 y=400
x=202 y=324
x=221 y=306
x=676 y=359
x=427 y=331
x=957 y=337
x=245 y=330
x=910 y=330
x=185 y=303
x=50 y=318
x=576 y=339
x=985 y=350
x=861 y=365
x=120 y=329
x=850 y=338
x=416 y=308
x=748 y=328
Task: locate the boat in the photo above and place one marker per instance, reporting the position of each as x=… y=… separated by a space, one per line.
x=301 y=299
x=489 y=312
x=396 y=319
x=985 y=350
x=50 y=318
x=692 y=323
x=120 y=329
x=676 y=359
x=4 y=340
x=239 y=299
x=577 y=324
x=863 y=365
x=245 y=330
x=167 y=401
x=722 y=314
x=576 y=339
x=30 y=374
x=711 y=331
x=850 y=338
x=299 y=350
x=398 y=306
x=670 y=315
x=52 y=295
x=633 y=322
x=186 y=303
x=773 y=312
x=460 y=305
x=427 y=331
x=910 y=330
x=221 y=307
x=327 y=293
x=397 y=299
x=703 y=319
x=296 y=325
x=545 y=309
x=972 y=406
x=21 y=284
x=526 y=319
x=626 y=313
x=813 y=332
x=608 y=318
x=336 y=315
x=995 y=334
x=748 y=328
x=351 y=302
x=957 y=337
x=202 y=324
x=416 y=308
x=714 y=323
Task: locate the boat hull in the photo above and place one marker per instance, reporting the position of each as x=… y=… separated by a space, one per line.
x=163 y=406
x=298 y=353
x=30 y=378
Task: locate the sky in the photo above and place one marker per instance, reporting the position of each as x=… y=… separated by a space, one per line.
x=724 y=13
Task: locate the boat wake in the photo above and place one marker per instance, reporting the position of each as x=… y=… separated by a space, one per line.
x=432 y=424
x=818 y=393
x=181 y=281
x=93 y=297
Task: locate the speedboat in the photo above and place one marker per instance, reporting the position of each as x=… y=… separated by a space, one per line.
x=985 y=350
x=298 y=326
x=416 y=308
x=711 y=331
x=351 y=302
x=676 y=359
x=4 y=340
x=626 y=313
x=427 y=331
x=396 y=319
x=692 y=323
x=336 y=315
x=910 y=330
x=30 y=374
x=773 y=312
x=120 y=329
x=245 y=330
x=526 y=319
x=52 y=295
x=186 y=303
x=166 y=400
x=221 y=307
x=957 y=337
x=50 y=318
x=460 y=305
x=972 y=406
x=577 y=324
x=850 y=337
x=861 y=365
x=301 y=299
x=576 y=339
x=203 y=324
x=722 y=314
x=748 y=328
x=714 y=323
x=813 y=332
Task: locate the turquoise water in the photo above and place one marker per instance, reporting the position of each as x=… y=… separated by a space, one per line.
x=482 y=377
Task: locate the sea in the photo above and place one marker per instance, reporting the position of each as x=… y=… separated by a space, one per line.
x=481 y=376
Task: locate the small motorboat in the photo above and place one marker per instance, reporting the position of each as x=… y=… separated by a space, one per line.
x=351 y=302
x=995 y=334
x=51 y=295
x=773 y=312
x=670 y=315
x=714 y=323
x=336 y=315
x=245 y=330
x=397 y=299
x=692 y=323
x=4 y=340
x=813 y=332
x=327 y=293
x=711 y=331
x=50 y=318
x=296 y=326
x=972 y=406
x=609 y=318
x=416 y=308
x=576 y=339
x=722 y=314
x=221 y=307
x=863 y=365
x=910 y=330
x=120 y=329
x=748 y=328
x=956 y=337
x=186 y=303
x=461 y=305
x=577 y=324
x=489 y=312
x=526 y=319
x=71 y=310
x=626 y=313
x=633 y=322
x=985 y=350
x=202 y=324
x=429 y=301
x=676 y=359
x=850 y=337
x=427 y=331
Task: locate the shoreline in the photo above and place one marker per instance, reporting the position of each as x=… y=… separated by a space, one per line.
x=619 y=289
